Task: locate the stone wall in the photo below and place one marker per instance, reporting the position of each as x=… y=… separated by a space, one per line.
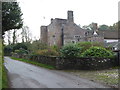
x=43 y=59
x=54 y=32
x=58 y=27
x=71 y=30
x=99 y=39
x=85 y=63
x=73 y=63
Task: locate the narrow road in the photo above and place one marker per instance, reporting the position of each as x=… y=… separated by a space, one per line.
x=23 y=75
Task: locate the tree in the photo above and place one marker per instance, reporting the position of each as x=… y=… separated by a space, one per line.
x=104 y=27
x=91 y=26
x=26 y=35
x=20 y=45
x=114 y=26
x=86 y=27
x=14 y=36
x=9 y=37
x=11 y=16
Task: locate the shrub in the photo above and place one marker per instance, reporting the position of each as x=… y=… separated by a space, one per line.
x=21 y=51
x=20 y=45
x=11 y=48
x=97 y=52
x=47 y=52
x=87 y=45
x=54 y=47
x=8 y=49
x=37 y=45
x=70 y=50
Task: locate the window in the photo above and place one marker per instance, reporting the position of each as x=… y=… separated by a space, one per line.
x=73 y=41
x=53 y=35
x=78 y=39
x=48 y=30
x=77 y=36
x=86 y=33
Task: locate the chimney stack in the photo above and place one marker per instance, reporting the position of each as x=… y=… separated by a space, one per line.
x=70 y=16
x=51 y=20
x=95 y=27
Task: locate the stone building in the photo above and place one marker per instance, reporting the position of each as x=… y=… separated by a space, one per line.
x=62 y=31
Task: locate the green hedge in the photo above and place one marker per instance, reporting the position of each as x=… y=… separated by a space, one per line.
x=97 y=52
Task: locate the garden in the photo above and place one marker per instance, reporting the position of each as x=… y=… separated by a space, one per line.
x=82 y=55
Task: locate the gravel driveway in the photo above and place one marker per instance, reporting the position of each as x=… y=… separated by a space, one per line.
x=24 y=75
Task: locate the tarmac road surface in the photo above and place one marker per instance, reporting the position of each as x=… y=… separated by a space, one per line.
x=24 y=75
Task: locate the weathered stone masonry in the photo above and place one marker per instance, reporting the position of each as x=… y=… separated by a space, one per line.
x=62 y=31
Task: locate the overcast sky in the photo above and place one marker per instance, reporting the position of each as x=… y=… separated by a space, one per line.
x=39 y=12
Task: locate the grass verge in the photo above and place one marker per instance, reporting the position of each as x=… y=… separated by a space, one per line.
x=107 y=77
x=4 y=78
x=34 y=63
x=0 y=65
x=3 y=72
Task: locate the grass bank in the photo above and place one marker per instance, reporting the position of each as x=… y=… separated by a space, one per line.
x=0 y=64
x=4 y=78
x=107 y=77
x=3 y=72
x=34 y=63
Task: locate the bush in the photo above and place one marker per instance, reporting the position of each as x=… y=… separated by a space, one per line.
x=54 y=47
x=11 y=48
x=20 y=45
x=70 y=50
x=87 y=45
x=47 y=52
x=21 y=51
x=37 y=45
x=8 y=49
x=97 y=52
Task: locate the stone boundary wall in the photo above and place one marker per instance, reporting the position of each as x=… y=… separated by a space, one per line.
x=73 y=63
x=43 y=59
x=85 y=63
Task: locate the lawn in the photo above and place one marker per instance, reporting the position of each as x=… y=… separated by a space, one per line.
x=106 y=77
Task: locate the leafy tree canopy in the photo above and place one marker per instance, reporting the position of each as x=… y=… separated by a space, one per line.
x=104 y=27
x=114 y=26
x=11 y=16
x=91 y=26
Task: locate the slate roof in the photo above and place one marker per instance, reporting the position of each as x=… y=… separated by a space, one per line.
x=107 y=34
x=110 y=34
